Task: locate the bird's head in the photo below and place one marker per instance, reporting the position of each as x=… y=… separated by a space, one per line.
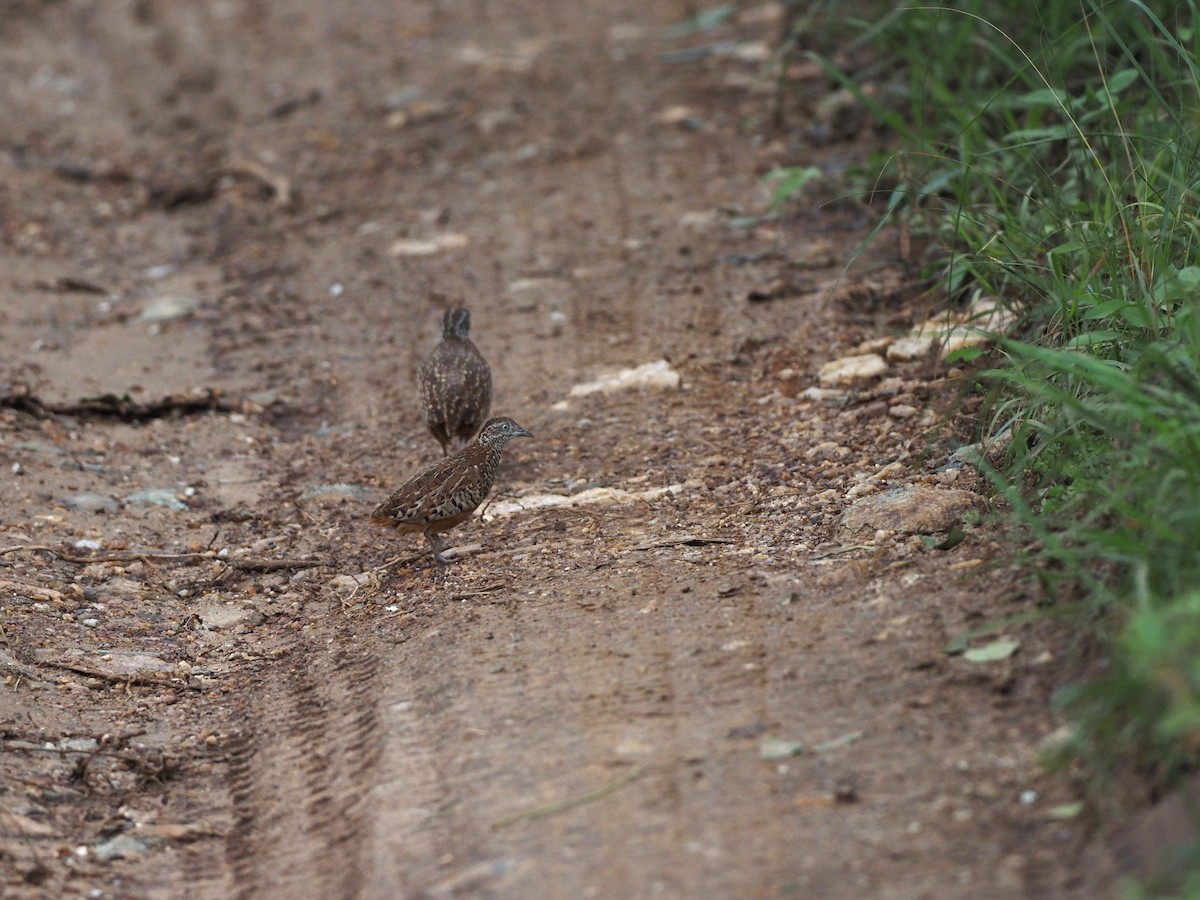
x=456 y=322
x=496 y=432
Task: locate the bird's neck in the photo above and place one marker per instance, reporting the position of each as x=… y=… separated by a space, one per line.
x=488 y=454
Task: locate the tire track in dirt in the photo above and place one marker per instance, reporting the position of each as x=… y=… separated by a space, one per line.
x=301 y=777
x=457 y=726
x=469 y=746
x=431 y=756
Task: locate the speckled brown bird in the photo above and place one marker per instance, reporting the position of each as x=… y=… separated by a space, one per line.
x=455 y=383
x=446 y=492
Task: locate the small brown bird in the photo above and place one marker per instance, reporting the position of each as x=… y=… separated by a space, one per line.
x=446 y=492
x=455 y=383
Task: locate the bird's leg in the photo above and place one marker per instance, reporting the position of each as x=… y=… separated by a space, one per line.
x=435 y=543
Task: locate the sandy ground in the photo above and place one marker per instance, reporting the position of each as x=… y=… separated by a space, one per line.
x=236 y=224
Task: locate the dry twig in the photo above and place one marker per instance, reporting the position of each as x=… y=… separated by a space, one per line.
x=551 y=809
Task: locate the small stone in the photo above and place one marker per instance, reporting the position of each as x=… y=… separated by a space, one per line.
x=824 y=395
x=339 y=489
x=700 y=219
x=849 y=369
x=543 y=289
x=400 y=98
x=591 y=496
x=649 y=375
x=776 y=748
x=157 y=273
x=877 y=346
x=168 y=309
x=118 y=587
x=345 y=584
x=986 y=790
x=990 y=452
x=218 y=616
x=120 y=665
x=437 y=244
x=82 y=744
x=85 y=501
x=676 y=115
x=860 y=489
x=633 y=747
x=912 y=510
x=123 y=846
x=157 y=497
x=907 y=349
x=902 y=411
x=975 y=326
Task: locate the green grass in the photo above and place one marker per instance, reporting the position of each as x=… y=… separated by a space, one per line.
x=1051 y=152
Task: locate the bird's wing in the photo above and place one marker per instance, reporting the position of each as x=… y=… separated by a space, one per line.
x=424 y=497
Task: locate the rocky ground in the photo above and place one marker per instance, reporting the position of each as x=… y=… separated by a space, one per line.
x=708 y=640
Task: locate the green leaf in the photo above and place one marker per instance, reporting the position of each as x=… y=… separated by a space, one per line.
x=776 y=748
x=953 y=538
x=960 y=642
x=1119 y=81
x=1033 y=135
x=838 y=742
x=1043 y=97
x=705 y=20
x=1189 y=277
x=1137 y=315
x=1065 y=811
x=1001 y=648
x=965 y=354
x=1092 y=339
x=1105 y=309
x=790 y=182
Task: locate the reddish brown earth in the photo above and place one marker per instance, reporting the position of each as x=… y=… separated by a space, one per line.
x=233 y=695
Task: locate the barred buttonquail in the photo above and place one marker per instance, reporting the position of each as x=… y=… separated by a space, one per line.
x=455 y=383
x=446 y=492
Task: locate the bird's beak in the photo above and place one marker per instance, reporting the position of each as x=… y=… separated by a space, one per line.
x=521 y=432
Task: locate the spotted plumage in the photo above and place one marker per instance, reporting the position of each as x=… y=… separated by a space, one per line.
x=455 y=383
x=445 y=493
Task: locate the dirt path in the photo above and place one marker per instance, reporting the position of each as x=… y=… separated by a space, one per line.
x=602 y=700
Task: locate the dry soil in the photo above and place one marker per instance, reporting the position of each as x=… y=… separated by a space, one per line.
x=227 y=231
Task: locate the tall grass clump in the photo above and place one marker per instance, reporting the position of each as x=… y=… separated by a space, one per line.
x=1052 y=154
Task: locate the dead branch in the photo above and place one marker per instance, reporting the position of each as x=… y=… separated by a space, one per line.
x=122 y=679
x=275 y=565
x=112 y=406
x=246 y=564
